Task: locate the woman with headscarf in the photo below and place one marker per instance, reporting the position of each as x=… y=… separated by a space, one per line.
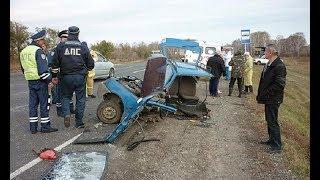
x=248 y=71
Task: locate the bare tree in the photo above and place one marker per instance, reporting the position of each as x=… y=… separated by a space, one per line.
x=236 y=44
x=18 y=40
x=259 y=39
x=296 y=41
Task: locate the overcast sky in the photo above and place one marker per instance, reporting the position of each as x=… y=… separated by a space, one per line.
x=121 y=21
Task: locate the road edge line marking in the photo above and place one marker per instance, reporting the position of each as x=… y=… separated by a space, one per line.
x=37 y=160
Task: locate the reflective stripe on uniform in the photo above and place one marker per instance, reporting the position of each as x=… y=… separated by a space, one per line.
x=45 y=120
x=44 y=75
x=55 y=70
x=33 y=119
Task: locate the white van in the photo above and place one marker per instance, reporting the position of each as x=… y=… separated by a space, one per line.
x=208 y=50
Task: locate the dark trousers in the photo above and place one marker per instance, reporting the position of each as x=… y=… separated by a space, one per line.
x=73 y=83
x=213 y=86
x=57 y=98
x=38 y=94
x=271 y=115
x=239 y=81
x=56 y=94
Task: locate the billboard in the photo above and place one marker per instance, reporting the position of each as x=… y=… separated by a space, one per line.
x=245 y=36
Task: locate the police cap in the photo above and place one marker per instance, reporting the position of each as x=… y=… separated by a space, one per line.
x=39 y=35
x=84 y=43
x=73 y=30
x=63 y=33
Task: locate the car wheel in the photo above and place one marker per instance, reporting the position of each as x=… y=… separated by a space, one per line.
x=111 y=72
x=259 y=63
x=109 y=111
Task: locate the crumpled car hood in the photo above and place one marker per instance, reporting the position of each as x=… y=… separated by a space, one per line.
x=186 y=69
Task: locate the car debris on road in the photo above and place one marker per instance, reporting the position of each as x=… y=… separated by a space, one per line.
x=168 y=85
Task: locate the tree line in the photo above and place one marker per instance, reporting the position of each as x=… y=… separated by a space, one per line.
x=19 y=39
x=294 y=45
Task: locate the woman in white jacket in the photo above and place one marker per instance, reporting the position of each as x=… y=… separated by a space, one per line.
x=227 y=58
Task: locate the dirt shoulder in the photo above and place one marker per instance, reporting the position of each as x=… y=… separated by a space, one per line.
x=227 y=149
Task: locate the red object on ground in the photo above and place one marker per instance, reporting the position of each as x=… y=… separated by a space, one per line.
x=48 y=154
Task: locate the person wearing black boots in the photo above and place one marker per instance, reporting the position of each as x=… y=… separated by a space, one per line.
x=237 y=63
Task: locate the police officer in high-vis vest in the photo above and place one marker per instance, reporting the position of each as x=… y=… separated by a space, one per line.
x=74 y=60
x=35 y=68
x=56 y=93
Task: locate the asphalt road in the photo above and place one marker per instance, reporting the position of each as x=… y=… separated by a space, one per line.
x=22 y=142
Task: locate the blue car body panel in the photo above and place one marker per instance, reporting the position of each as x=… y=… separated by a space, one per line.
x=128 y=99
x=186 y=69
x=132 y=105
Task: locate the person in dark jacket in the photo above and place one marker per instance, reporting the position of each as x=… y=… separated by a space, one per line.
x=270 y=93
x=216 y=65
x=56 y=92
x=74 y=60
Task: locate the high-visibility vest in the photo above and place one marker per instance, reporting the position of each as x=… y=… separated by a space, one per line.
x=29 y=63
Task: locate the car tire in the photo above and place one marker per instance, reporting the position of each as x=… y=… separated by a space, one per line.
x=259 y=63
x=109 y=111
x=111 y=72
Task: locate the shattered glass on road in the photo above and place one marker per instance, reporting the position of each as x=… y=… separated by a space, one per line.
x=78 y=165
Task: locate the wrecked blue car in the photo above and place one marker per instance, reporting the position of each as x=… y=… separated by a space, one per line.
x=168 y=84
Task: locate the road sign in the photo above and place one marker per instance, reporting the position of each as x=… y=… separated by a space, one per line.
x=245 y=36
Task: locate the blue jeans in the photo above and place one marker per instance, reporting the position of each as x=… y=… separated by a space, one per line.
x=228 y=73
x=213 y=86
x=69 y=84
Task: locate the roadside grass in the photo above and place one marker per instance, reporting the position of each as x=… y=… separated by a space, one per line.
x=294 y=115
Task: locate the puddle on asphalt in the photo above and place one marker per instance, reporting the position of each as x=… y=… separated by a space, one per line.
x=78 y=165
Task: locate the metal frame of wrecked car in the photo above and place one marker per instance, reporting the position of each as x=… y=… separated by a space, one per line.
x=133 y=105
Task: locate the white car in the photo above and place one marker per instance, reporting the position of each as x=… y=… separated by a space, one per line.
x=261 y=60
x=102 y=66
